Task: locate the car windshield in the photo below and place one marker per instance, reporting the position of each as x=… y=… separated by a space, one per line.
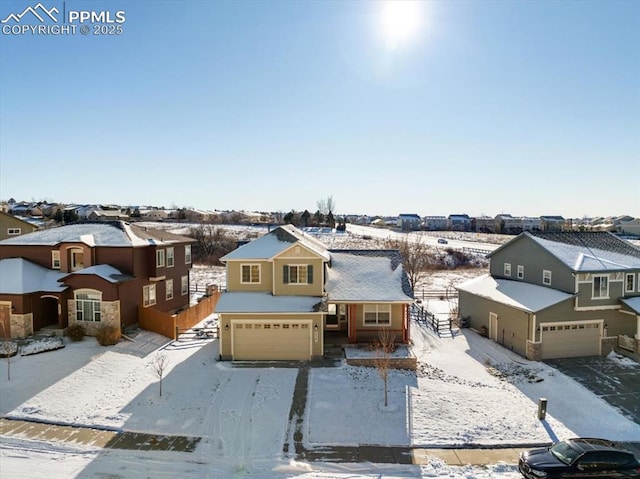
x=564 y=452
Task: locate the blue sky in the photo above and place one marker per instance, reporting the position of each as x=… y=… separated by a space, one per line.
x=529 y=108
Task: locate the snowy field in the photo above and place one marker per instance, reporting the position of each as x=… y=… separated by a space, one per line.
x=467 y=391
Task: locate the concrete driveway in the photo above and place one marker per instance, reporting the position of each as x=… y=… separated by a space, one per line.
x=615 y=381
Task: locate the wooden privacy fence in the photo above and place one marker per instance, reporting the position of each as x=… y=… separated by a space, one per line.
x=167 y=323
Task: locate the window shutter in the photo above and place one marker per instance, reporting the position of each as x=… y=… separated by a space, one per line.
x=310 y=274
x=285 y=274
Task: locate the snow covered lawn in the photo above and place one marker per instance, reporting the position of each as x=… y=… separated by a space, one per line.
x=467 y=390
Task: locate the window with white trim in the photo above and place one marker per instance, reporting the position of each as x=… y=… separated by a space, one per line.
x=630 y=283
x=13 y=231
x=600 y=287
x=298 y=274
x=170 y=257
x=250 y=273
x=546 y=277
x=377 y=314
x=520 y=271
x=77 y=259
x=149 y=295
x=187 y=254
x=184 y=285
x=160 y=258
x=55 y=259
x=507 y=269
x=169 y=289
x=88 y=305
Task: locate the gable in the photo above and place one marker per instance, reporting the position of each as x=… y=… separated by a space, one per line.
x=277 y=242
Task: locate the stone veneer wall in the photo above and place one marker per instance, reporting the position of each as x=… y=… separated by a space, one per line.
x=533 y=350
x=109 y=312
x=21 y=325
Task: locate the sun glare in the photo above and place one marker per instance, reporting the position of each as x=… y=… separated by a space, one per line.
x=400 y=21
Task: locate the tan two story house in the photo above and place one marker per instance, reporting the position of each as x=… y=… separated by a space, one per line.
x=286 y=290
x=559 y=294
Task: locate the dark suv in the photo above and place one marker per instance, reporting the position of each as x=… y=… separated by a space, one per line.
x=579 y=458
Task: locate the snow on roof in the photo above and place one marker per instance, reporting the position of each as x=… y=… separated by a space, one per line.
x=517 y=294
x=104 y=271
x=252 y=302
x=103 y=233
x=276 y=242
x=19 y=276
x=632 y=303
x=367 y=275
x=582 y=252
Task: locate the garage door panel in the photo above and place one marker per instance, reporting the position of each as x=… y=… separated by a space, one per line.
x=272 y=340
x=570 y=340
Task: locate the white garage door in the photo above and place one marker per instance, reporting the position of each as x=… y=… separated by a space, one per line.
x=568 y=340
x=271 y=340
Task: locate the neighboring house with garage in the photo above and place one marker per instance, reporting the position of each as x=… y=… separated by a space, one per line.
x=554 y=295
x=90 y=273
x=286 y=292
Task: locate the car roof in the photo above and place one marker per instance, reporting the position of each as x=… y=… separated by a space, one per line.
x=594 y=444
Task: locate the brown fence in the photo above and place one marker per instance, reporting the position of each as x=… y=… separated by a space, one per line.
x=166 y=323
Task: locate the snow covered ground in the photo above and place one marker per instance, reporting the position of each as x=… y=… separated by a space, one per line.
x=467 y=390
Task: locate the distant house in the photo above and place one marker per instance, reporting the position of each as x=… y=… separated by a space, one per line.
x=92 y=274
x=531 y=224
x=459 y=223
x=631 y=227
x=507 y=224
x=153 y=214
x=556 y=295
x=287 y=294
x=552 y=223
x=434 y=223
x=107 y=215
x=409 y=222
x=11 y=226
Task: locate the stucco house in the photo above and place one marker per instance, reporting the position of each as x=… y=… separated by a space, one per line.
x=90 y=273
x=11 y=226
x=554 y=295
x=286 y=292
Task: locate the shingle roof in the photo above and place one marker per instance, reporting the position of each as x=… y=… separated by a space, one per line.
x=104 y=271
x=517 y=294
x=20 y=276
x=253 y=302
x=275 y=242
x=102 y=233
x=589 y=251
x=367 y=275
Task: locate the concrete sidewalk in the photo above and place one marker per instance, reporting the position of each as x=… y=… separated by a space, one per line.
x=95 y=437
x=151 y=442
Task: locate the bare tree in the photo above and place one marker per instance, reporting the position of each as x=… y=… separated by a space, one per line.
x=211 y=244
x=382 y=360
x=416 y=257
x=159 y=365
x=7 y=348
x=325 y=205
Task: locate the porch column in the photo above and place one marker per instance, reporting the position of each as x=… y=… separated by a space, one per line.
x=407 y=324
x=637 y=326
